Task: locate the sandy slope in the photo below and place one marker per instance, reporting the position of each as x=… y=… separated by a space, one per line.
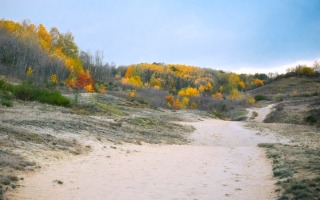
x=262 y=112
x=222 y=163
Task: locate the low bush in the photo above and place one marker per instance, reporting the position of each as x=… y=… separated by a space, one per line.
x=266 y=145
x=260 y=97
x=5 y=98
x=29 y=92
x=311 y=119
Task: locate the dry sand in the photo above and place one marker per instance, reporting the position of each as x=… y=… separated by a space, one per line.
x=222 y=162
x=262 y=113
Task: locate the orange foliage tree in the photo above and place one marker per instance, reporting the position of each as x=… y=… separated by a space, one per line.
x=257 y=82
x=217 y=95
x=85 y=81
x=169 y=99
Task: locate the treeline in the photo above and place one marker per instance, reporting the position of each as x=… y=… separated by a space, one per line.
x=302 y=70
x=30 y=52
x=186 y=80
x=34 y=53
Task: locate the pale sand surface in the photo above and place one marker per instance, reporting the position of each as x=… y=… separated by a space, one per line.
x=262 y=112
x=223 y=162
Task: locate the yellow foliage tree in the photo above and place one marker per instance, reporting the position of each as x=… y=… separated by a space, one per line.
x=29 y=71
x=235 y=95
x=71 y=81
x=242 y=85
x=74 y=65
x=102 y=89
x=250 y=100
x=184 y=103
x=235 y=81
x=201 y=88
x=189 y=92
x=45 y=38
x=133 y=93
x=205 y=88
x=135 y=80
x=54 y=78
x=129 y=72
x=155 y=82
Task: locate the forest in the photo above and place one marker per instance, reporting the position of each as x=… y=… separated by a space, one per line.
x=48 y=58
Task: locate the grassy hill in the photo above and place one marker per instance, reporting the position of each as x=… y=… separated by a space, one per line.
x=297 y=98
x=289 y=87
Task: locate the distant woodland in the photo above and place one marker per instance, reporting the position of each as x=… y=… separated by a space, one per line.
x=47 y=57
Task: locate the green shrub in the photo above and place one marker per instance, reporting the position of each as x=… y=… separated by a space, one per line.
x=6 y=103
x=266 y=145
x=29 y=92
x=2 y=84
x=260 y=97
x=311 y=119
x=5 y=98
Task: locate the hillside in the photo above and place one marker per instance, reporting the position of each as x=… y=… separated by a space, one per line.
x=289 y=87
x=297 y=100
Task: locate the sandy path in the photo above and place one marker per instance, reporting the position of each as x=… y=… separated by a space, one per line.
x=262 y=112
x=222 y=163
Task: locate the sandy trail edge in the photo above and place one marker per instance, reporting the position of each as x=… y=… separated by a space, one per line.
x=262 y=113
x=222 y=163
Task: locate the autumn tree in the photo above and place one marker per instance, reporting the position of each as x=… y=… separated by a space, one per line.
x=45 y=38
x=189 y=92
x=257 y=82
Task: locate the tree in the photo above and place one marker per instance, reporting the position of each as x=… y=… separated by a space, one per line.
x=135 y=80
x=235 y=81
x=189 y=92
x=235 y=94
x=257 y=82
x=68 y=46
x=316 y=66
x=169 y=99
x=217 y=95
x=54 y=78
x=184 y=103
x=85 y=81
x=45 y=38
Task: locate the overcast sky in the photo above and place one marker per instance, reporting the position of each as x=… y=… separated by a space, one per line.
x=232 y=35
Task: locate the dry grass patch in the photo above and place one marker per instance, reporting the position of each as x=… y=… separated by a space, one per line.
x=9 y=163
x=297 y=169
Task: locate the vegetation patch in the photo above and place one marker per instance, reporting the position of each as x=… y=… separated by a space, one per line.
x=8 y=162
x=297 y=169
x=6 y=99
x=30 y=92
x=155 y=130
x=260 y=97
x=313 y=117
x=99 y=104
x=44 y=139
x=302 y=111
